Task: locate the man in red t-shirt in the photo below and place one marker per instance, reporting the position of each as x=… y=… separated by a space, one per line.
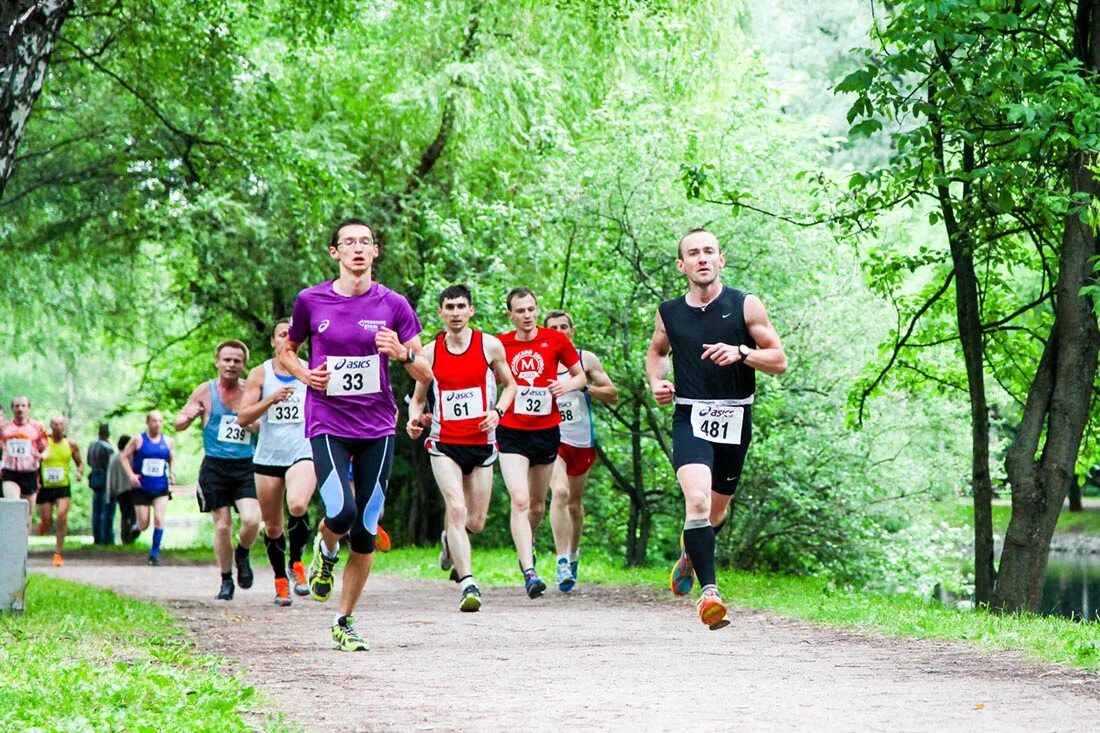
x=467 y=365
x=25 y=445
x=528 y=435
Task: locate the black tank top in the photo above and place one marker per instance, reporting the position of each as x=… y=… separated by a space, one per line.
x=721 y=320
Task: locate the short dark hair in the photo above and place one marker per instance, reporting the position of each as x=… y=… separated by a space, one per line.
x=334 y=239
x=104 y=431
x=696 y=230
x=551 y=315
x=123 y=440
x=278 y=323
x=452 y=292
x=519 y=293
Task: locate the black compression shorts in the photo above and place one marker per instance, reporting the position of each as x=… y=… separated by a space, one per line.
x=724 y=460
x=468 y=457
x=27 y=480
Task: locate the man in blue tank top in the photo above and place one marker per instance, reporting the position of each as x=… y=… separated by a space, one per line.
x=225 y=478
x=147 y=461
x=719 y=338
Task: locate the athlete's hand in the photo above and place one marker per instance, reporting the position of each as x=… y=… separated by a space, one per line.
x=414 y=428
x=721 y=354
x=664 y=391
x=492 y=419
x=318 y=378
x=387 y=343
x=555 y=388
x=190 y=412
x=282 y=395
x=135 y=481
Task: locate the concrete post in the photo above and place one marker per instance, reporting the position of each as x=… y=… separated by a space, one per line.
x=13 y=554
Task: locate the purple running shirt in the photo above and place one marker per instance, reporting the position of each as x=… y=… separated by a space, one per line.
x=359 y=402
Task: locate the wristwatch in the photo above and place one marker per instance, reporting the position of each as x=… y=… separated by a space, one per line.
x=410 y=357
x=745 y=351
x=500 y=412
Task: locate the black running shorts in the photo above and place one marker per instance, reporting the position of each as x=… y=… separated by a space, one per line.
x=539 y=447
x=468 y=457
x=223 y=481
x=144 y=498
x=724 y=460
x=50 y=494
x=27 y=480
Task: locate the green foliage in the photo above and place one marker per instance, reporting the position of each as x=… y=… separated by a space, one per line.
x=126 y=666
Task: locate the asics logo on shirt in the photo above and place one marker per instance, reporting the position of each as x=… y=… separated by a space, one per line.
x=322 y=326
x=351 y=364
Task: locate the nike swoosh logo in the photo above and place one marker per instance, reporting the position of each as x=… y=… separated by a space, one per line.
x=726 y=315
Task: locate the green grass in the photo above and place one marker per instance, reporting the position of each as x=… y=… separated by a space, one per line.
x=960 y=513
x=810 y=599
x=85 y=659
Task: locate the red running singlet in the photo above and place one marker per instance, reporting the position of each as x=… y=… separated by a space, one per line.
x=465 y=390
x=534 y=364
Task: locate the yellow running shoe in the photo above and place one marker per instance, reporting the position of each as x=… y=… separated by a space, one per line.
x=345 y=638
x=683 y=574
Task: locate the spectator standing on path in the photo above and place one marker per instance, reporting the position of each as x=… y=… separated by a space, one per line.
x=98 y=459
x=118 y=489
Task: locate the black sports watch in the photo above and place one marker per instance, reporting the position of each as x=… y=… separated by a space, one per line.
x=745 y=351
x=500 y=412
x=410 y=357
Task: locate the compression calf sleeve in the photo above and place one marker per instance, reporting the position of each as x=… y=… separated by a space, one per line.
x=276 y=554
x=298 y=532
x=699 y=545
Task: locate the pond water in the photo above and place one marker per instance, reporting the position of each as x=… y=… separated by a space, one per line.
x=1072 y=587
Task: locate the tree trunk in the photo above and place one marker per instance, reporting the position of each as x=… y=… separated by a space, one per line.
x=1042 y=459
x=28 y=34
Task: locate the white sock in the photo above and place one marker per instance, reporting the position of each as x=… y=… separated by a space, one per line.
x=467 y=582
x=330 y=554
x=573 y=556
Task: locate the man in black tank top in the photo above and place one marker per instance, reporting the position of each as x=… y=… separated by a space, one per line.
x=719 y=338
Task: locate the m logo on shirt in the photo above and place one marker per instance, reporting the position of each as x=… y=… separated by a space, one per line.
x=527 y=365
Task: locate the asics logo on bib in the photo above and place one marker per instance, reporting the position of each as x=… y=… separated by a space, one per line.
x=369 y=325
x=527 y=365
x=322 y=326
x=351 y=364
x=717 y=412
x=461 y=394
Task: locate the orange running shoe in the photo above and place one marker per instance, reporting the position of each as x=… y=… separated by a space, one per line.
x=57 y=561
x=282 y=592
x=712 y=611
x=382 y=540
x=301 y=586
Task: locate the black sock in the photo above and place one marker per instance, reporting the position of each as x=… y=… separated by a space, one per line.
x=241 y=553
x=298 y=531
x=722 y=523
x=227 y=576
x=699 y=544
x=276 y=554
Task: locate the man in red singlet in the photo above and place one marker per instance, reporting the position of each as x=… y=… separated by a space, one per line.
x=25 y=445
x=528 y=435
x=468 y=365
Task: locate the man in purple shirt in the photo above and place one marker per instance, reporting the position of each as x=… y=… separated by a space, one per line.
x=354 y=326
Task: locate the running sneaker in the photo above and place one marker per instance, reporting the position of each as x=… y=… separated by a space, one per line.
x=471 y=599
x=226 y=593
x=301 y=587
x=683 y=574
x=454 y=575
x=712 y=611
x=245 y=576
x=57 y=561
x=566 y=581
x=345 y=638
x=445 y=562
x=282 y=592
x=533 y=584
x=573 y=569
x=154 y=561
x=320 y=573
x=382 y=540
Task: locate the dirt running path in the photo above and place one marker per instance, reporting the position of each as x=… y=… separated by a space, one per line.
x=600 y=659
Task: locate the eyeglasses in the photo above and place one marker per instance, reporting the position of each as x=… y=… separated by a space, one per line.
x=365 y=241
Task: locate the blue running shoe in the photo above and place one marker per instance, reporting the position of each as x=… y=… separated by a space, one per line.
x=683 y=574
x=566 y=581
x=533 y=584
x=573 y=569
